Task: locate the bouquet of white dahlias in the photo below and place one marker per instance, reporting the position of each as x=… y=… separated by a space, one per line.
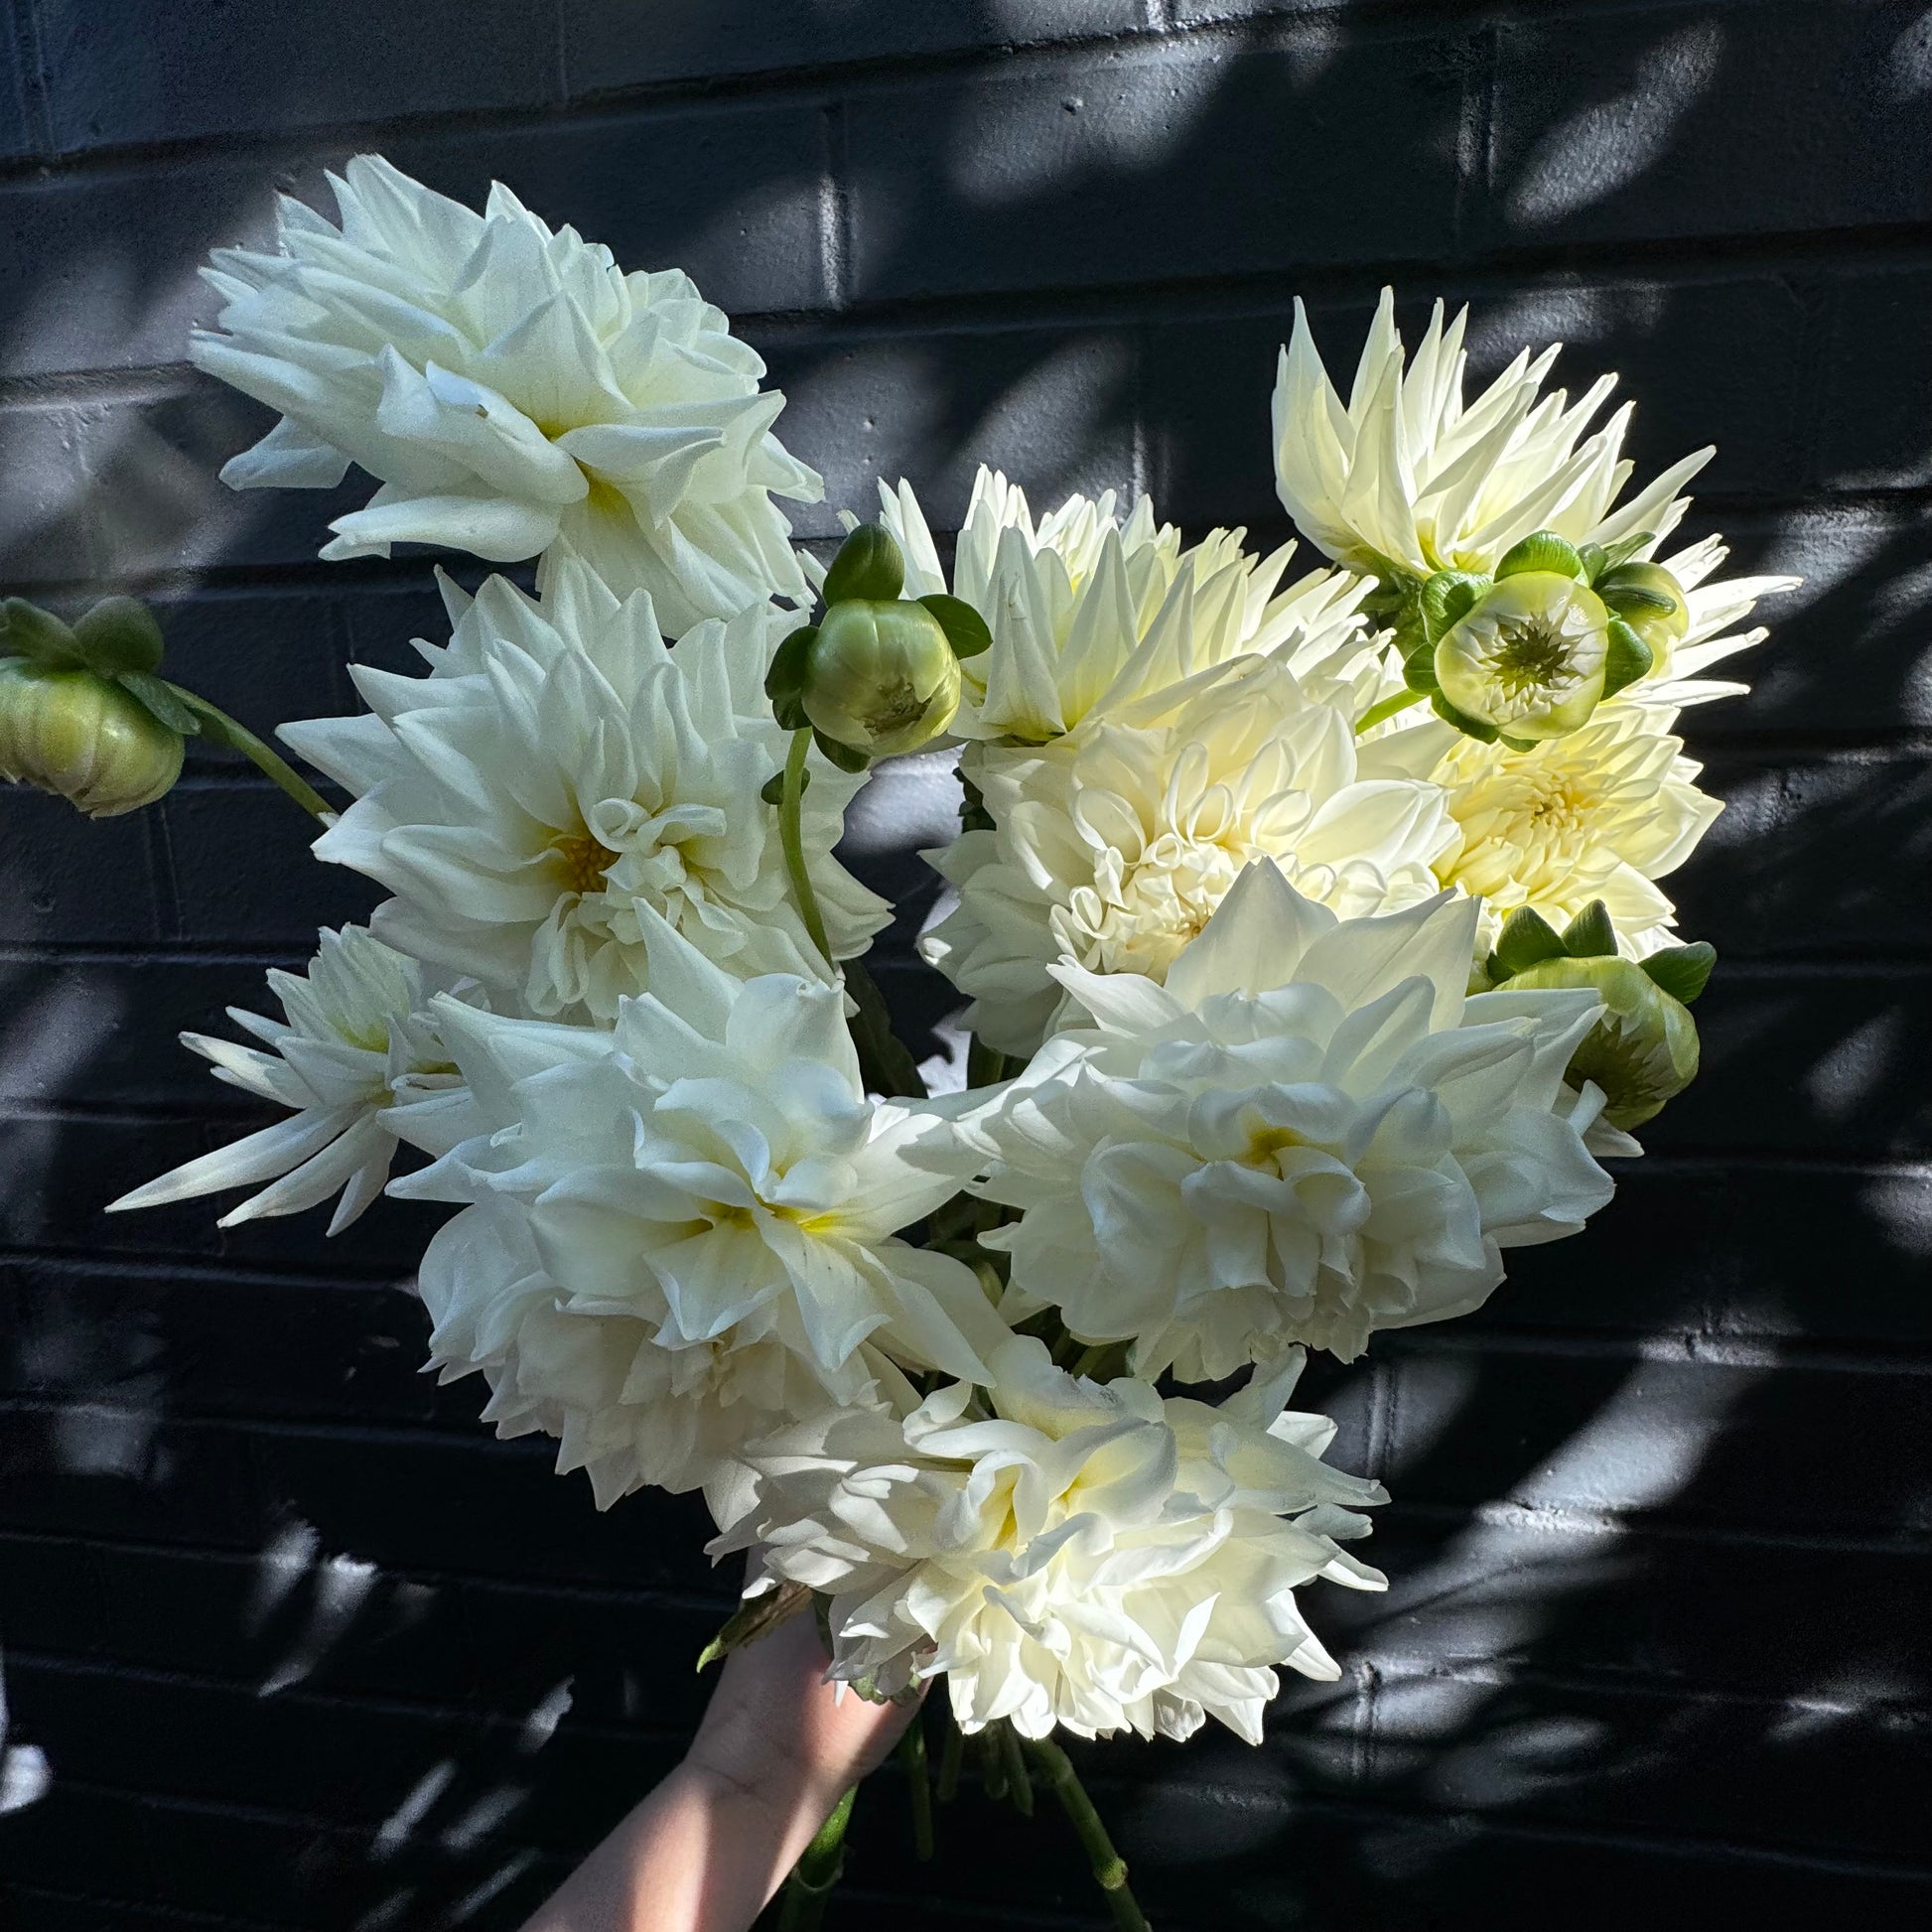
x=1308 y=931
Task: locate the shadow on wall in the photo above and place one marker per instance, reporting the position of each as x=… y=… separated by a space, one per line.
x=1654 y=1507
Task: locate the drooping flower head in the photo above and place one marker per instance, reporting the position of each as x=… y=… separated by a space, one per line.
x=708 y=1206
x=355 y=1041
x=1114 y=845
x=1409 y=477
x=1308 y=1132
x=1090 y=609
x=508 y=385
x=562 y=771
x=1066 y=1553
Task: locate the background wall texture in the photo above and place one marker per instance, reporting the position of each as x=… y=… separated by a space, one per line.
x=301 y=1644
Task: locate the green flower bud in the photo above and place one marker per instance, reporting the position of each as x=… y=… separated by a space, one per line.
x=1528 y=658
x=881 y=677
x=1651 y=601
x=84 y=739
x=1542 y=550
x=1642 y=1051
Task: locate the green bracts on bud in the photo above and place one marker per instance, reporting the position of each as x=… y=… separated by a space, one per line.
x=881 y=677
x=1642 y=1053
x=1528 y=658
x=869 y=567
x=1626 y=659
x=81 y=737
x=1527 y=938
x=1591 y=934
x=1542 y=550
x=1651 y=601
x=1682 y=971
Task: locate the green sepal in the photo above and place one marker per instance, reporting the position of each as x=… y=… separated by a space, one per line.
x=1594 y=559
x=1527 y=937
x=1468 y=726
x=1624 y=549
x=1627 y=659
x=160 y=699
x=1590 y=935
x=1629 y=599
x=1447 y=599
x=757 y=1618
x=843 y=756
x=1541 y=550
x=869 y=565
x=1517 y=743
x=121 y=634
x=1419 y=672
x=965 y=628
x=39 y=636
x=1681 y=971
x=784 y=681
x=773 y=791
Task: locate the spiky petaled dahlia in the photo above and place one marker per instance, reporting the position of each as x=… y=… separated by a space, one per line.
x=702 y=1211
x=355 y=1042
x=508 y=385
x=1409 y=475
x=560 y=773
x=1066 y=1553
x=1308 y=1133
x=1114 y=845
x=1089 y=610
x=1600 y=814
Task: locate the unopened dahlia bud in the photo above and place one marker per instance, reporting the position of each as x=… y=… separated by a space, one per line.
x=1651 y=601
x=1642 y=1053
x=89 y=741
x=1528 y=660
x=881 y=677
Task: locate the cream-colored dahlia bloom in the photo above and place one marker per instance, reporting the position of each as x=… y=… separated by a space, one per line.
x=1089 y=610
x=1307 y=1134
x=1113 y=846
x=707 y=1204
x=1066 y=1553
x=508 y=385
x=355 y=1042
x=561 y=773
x=1408 y=476
x=1602 y=813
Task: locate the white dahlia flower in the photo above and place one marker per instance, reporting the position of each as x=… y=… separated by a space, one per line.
x=1114 y=845
x=1307 y=1134
x=508 y=385
x=355 y=1042
x=709 y=1201
x=1088 y=612
x=1408 y=476
x=1066 y=1553
x=561 y=773
x=1598 y=814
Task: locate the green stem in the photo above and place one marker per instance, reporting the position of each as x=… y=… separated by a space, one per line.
x=1109 y=1868
x=1020 y=1784
x=993 y=1766
x=1388 y=708
x=984 y=1068
x=792 y=837
x=912 y=1750
x=217 y=728
x=820 y=1866
x=951 y=1755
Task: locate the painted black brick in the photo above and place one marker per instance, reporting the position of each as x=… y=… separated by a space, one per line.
x=1659 y=1554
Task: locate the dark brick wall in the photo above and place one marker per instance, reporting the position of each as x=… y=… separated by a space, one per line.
x=290 y=1627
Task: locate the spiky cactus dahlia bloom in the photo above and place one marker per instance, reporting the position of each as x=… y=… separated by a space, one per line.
x=1307 y=1134
x=508 y=385
x=1065 y=1553
x=357 y=1042
x=559 y=774
x=1409 y=475
x=1089 y=610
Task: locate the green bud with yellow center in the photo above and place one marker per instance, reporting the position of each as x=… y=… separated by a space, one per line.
x=1527 y=660
x=1642 y=1053
x=68 y=731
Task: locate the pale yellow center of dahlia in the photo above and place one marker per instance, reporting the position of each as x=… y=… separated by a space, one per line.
x=581 y=861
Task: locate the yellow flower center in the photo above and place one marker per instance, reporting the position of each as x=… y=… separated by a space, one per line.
x=1532 y=656
x=582 y=861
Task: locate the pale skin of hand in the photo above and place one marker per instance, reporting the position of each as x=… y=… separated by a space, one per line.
x=711 y=1844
